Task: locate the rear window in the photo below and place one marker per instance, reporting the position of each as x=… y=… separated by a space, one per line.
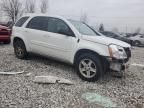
x=38 y=23
x=21 y=21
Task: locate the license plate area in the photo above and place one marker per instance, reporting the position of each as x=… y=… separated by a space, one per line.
x=116 y=66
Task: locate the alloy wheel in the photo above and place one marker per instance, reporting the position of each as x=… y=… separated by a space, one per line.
x=19 y=51
x=87 y=68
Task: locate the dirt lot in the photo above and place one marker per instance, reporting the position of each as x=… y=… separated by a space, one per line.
x=19 y=91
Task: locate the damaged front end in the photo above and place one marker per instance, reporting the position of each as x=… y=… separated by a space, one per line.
x=118 y=61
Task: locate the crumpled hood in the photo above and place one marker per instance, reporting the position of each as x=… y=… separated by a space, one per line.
x=105 y=40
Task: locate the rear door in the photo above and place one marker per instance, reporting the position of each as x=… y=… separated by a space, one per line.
x=35 y=32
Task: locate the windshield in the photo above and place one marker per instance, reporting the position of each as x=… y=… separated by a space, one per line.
x=83 y=28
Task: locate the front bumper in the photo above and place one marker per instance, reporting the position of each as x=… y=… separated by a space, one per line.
x=117 y=66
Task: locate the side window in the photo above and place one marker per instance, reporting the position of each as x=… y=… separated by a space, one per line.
x=39 y=23
x=56 y=25
x=20 y=22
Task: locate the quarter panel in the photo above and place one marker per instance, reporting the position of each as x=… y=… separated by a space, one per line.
x=19 y=32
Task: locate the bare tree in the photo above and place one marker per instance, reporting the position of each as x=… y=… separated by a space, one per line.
x=84 y=18
x=44 y=6
x=12 y=8
x=30 y=6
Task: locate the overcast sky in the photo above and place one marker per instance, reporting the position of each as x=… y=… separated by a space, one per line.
x=126 y=15
x=112 y=13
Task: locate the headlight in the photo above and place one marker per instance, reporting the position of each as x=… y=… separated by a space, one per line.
x=117 y=52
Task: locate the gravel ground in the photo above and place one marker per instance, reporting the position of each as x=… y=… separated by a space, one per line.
x=19 y=91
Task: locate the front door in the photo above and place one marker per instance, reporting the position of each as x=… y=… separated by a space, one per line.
x=59 y=39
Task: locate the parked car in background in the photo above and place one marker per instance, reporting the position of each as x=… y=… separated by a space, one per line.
x=129 y=35
x=137 y=40
x=5 y=34
x=8 y=24
x=116 y=36
x=70 y=41
x=122 y=34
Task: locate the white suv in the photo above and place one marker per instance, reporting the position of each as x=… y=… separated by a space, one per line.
x=69 y=41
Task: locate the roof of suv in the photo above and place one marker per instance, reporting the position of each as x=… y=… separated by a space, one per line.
x=34 y=15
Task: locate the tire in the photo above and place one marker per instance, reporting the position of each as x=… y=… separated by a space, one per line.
x=20 y=49
x=137 y=43
x=95 y=66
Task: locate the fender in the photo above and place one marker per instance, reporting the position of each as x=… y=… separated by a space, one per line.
x=97 y=48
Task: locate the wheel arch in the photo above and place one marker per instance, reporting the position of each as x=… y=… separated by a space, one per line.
x=16 y=39
x=104 y=60
x=19 y=38
x=82 y=51
x=137 y=41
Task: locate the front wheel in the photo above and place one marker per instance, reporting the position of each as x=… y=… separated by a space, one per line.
x=89 y=67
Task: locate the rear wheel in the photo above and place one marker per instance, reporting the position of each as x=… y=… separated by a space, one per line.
x=20 y=49
x=89 y=67
x=137 y=43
